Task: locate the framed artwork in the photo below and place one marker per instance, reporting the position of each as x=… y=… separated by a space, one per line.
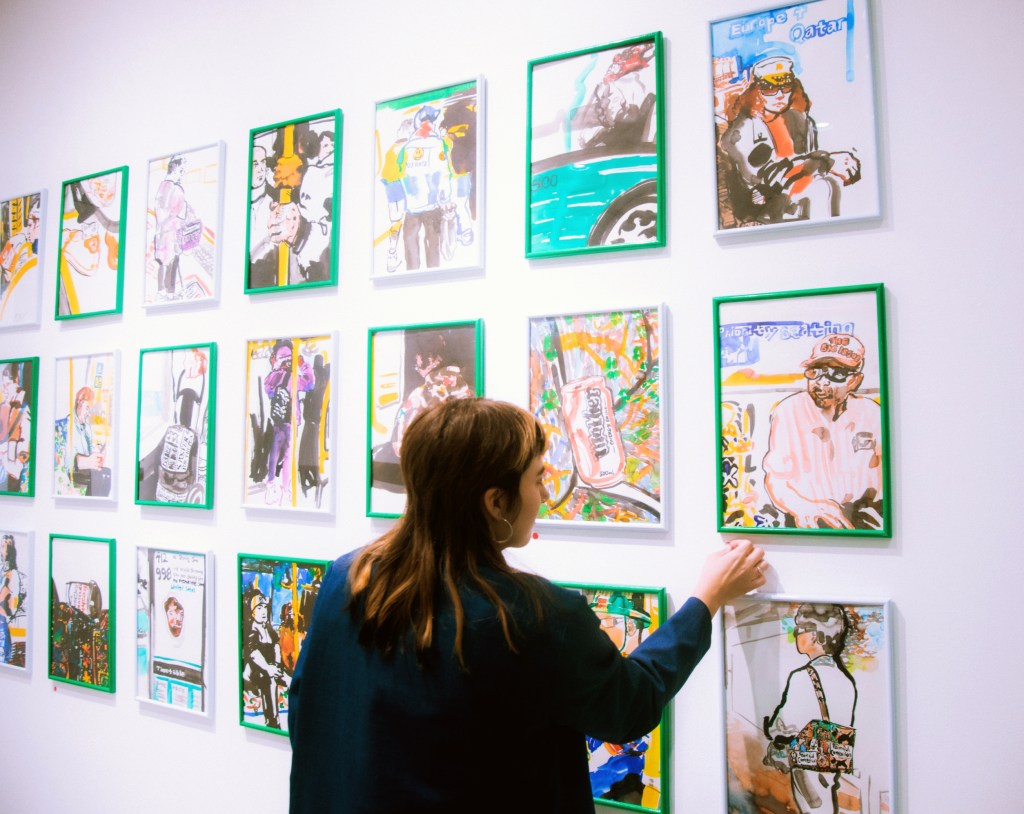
x=19 y=395
x=595 y=149
x=90 y=258
x=176 y=426
x=294 y=185
x=276 y=599
x=632 y=776
x=288 y=423
x=802 y=412
x=184 y=208
x=427 y=206
x=84 y=426
x=174 y=629
x=808 y=705
x=776 y=165
x=83 y=614
x=412 y=367
x=17 y=570
x=21 y=284
x=596 y=385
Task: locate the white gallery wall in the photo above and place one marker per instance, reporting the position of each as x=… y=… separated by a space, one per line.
x=91 y=86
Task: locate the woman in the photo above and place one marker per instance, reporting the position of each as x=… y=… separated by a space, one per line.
x=435 y=677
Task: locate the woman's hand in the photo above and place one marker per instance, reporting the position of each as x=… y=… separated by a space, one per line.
x=733 y=571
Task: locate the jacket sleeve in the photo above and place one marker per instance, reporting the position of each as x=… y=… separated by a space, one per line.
x=600 y=693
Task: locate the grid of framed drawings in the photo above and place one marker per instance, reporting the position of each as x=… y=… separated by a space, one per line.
x=801 y=385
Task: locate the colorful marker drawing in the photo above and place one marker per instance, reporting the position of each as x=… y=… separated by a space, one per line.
x=90 y=260
x=16 y=598
x=172 y=611
x=175 y=436
x=808 y=705
x=632 y=775
x=84 y=429
x=776 y=165
x=801 y=396
x=412 y=367
x=596 y=387
x=183 y=218
x=82 y=611
x=20 y=278
x=276 y=599
x=19 y=389
x=429 y=192
x=288 y=426
x=595 y=150
x=294 y=185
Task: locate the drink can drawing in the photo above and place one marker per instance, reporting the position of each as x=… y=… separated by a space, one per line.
x=596 y=445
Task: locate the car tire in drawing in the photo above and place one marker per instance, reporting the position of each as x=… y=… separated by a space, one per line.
x=629 y=219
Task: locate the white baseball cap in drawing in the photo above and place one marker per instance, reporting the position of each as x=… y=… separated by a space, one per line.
x=846 y=349
x=774 y=70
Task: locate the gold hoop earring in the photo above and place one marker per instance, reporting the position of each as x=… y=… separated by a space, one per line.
x=511 y=531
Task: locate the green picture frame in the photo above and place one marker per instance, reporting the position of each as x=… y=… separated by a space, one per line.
x=641 y=768
x=176 y=426
x=82 y=632
x=802 y=418
x=292 y=233
x=595 y=149
x=287 y=588
x=90 y=249
x=19 y=401
x=410 y=367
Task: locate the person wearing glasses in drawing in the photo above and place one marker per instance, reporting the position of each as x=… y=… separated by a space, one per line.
x=823 y=467
x=775 y=170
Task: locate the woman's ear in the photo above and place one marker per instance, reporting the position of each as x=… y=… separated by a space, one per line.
x=494 y=503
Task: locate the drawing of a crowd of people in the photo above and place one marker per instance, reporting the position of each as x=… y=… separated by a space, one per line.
x=291 y=204
x=274 y=591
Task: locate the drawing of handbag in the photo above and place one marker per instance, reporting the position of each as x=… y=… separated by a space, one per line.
x=190 y=233
x=822 y=746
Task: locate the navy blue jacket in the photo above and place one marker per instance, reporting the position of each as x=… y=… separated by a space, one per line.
x=390 y=735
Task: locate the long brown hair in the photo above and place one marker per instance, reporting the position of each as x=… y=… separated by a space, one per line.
x=452 y=453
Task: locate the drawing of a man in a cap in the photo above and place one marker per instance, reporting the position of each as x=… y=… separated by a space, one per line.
x=775 y=170
x=823 y=467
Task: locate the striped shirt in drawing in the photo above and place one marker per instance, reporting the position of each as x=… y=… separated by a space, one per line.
x=815 y=459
